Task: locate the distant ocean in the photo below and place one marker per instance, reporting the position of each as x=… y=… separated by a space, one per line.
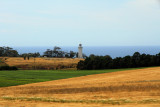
x=113 y=51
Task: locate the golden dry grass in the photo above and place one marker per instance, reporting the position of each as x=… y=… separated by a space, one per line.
x=124 y=89
x=42 y=63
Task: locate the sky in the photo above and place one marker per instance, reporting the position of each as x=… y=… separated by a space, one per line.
x=70 y=22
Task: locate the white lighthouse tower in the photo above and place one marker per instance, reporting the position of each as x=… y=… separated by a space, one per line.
x=80 y=55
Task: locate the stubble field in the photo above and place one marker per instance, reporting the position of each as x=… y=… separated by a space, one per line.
x=139 y=87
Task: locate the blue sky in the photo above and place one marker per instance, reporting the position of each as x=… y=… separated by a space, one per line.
x=70 y=22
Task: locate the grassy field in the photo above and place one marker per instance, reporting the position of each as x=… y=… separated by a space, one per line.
x=20 y=77
x=127 y=88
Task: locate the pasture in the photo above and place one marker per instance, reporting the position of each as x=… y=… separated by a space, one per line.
x=127 y=88
x=20 y=77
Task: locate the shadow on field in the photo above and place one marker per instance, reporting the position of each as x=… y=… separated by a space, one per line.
x=119 y=88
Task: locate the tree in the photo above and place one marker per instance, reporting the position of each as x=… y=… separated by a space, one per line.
x=80 y=65
x=126 y=63
x=8 y=52
x=136 y=59
x=57 y=52
x=72 y=54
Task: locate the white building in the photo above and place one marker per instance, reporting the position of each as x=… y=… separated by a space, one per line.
x=80 y=54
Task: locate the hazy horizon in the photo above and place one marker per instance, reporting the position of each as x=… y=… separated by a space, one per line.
x=91 y=46
x=113 y=51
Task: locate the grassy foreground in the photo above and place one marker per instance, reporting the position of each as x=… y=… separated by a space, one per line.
x=127 y=88
x=20 y=77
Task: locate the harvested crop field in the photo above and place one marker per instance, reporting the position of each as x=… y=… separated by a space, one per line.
x=140 y=87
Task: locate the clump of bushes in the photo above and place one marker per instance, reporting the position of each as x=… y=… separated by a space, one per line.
x=8 y=68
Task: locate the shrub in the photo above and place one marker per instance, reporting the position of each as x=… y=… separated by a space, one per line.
x=8 y=68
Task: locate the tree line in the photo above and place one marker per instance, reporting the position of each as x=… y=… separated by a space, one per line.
x=58 y=53
x=55 y=52
x=94 y=62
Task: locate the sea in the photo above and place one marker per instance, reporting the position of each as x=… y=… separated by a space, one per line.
x=113 y=51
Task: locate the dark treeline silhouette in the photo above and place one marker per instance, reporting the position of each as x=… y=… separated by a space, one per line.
x=8 y=68
x=106 y=62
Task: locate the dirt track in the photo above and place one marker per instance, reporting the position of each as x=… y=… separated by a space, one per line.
x=126 y=88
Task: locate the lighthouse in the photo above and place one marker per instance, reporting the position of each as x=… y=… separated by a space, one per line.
x=80 y=55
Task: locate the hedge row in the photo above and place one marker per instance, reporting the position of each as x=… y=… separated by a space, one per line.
x=8 y=68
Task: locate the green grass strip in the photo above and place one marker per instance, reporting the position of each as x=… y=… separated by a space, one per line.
x=21 y=77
